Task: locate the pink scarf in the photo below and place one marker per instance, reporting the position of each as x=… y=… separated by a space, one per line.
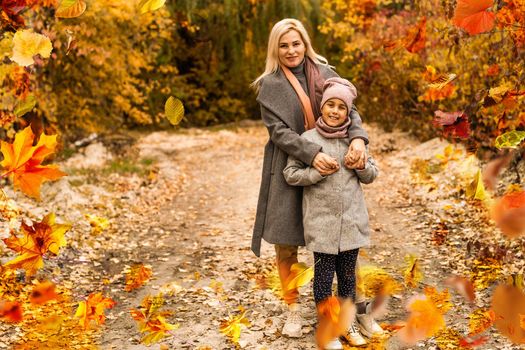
x=330 y=132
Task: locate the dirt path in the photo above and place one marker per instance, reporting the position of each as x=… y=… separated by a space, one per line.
x=191 y=220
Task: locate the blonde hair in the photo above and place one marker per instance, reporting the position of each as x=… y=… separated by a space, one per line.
x=272 y=57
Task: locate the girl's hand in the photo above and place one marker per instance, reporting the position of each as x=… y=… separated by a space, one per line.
x=356 y=157
x=325 y=164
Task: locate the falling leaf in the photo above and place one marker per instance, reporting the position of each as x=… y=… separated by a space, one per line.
x=493 y=169
x=25 y=106
x=137 y=276
x=151 y=320
x=455 y=124
x=412 y=273
x=232 y=326
x=463 y=286
x=97 y=223
x=43 y=292
x=480 y=320
x=27 y=44
x=334 y=318
x=174 y=110
x=36 y=240
x=472 y=15
x=93 y=309
x=424 y=321
x=476 y=190
x=373 y=281
x=440 y=299
x=509 y=139
x=509 y=212
x=150 y=5
x=442 y=80
x=416 y=37
x=508 y=303
x=11 y=311
x=70 y=8
x=22 y=161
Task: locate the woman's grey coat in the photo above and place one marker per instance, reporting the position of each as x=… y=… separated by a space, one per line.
x=279 y=208
x=335 y=217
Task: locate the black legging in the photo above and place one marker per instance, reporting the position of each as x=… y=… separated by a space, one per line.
x=344 y=265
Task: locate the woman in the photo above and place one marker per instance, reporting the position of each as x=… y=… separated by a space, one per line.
x=292 y=60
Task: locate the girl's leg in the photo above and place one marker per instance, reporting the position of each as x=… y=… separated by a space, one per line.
x=323 y=275
x=345 y=269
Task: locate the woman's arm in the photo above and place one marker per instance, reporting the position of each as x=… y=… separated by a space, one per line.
x=296 y=173
x=369 y=173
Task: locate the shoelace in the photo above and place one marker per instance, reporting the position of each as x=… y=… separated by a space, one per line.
x=353 y=329
x=294 y=317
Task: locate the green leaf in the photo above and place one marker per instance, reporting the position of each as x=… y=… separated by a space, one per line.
x=174 y=110
x=25 y=106
x=150 y=5
x=509 y=139
x=70 y=8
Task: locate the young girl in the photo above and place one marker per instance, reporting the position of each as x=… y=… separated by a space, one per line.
x=335 y=217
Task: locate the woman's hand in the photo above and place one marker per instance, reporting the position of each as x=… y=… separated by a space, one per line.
x=325 y=164
x=356 y=157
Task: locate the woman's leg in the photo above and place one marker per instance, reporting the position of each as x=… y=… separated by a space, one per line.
x=286 y=256
x=345 y=269
x=323 y=275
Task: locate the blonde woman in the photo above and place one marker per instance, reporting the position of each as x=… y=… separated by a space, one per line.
x=289 y=93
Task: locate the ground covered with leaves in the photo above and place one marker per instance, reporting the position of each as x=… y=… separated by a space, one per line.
x=157 y=250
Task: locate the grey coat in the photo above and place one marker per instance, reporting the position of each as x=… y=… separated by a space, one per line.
x=335 y=217
x=279 y=208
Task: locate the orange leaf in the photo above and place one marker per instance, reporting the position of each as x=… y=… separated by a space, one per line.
x=472 y=15
x=468 y=342
x=36 y=240
x=151 y=320
x=138 y=275
x=480 y=320
x=424 y=321
x=508 y=303
x=509 y=212
x=463 y=286
x=11 y=311
x=22 y=161
x=335 y=317
x=416 y=37
x=43 y=292
x=93 y=309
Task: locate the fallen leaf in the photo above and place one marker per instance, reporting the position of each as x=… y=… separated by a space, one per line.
x=232 y=326
x=93 y=309
x=137 y=276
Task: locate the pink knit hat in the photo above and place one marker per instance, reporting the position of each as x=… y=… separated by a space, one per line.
x=339 y=88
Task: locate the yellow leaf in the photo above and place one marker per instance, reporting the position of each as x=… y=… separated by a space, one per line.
x=93 y=309
x=480 y=320
x=373 y=281
x=233 y=325
x=300 y=275
x=70 y=8
x=151 y=320
x=412 y=273
x=150 y=5
x=497 y=93
x=174 y=110
x=27 y=44
x=509 y=139
x=424 y=321
x=475 y=189
x=23 y=161
x=137 y=276
x=441 y=300
x=97 y=223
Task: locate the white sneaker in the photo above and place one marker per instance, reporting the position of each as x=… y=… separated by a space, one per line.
x=293 y=327
x=334 y=344
x=368 y=326
x=354 y=337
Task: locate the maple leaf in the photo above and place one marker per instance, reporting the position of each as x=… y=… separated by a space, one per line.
x=36 y=240
x=137 y=276
x=23 y=161
x=425 y=320
x=232 y=326
x=43 y=292
x=151 y=320
x=509 y=212
x=472 y=15
x=335 y=317
x=412 y=273
x=508 y=303
x=93 y=309
x=11 y=311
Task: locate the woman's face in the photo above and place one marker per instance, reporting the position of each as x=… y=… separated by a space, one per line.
x=291 y=49
x=334 y=112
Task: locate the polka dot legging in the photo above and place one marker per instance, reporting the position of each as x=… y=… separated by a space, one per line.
x=343 y=264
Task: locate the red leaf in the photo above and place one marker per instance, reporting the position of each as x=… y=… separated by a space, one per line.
x=472 y=15
x=468 y=342
x=11 y=311
x=416 y=37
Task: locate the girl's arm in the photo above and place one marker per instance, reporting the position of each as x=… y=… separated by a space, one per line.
x=296 y=173
x=287 y=139
x=369 y=173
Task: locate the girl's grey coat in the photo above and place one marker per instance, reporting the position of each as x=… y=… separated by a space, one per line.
x=279 y=208
x=335 y=217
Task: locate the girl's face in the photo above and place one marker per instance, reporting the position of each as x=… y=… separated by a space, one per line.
x=334 y=112
x=291 y=49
